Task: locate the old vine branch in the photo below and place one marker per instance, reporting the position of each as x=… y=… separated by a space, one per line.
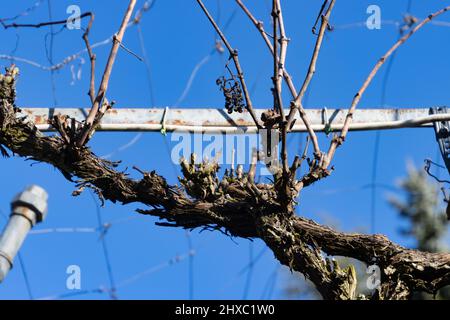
x=233 y=205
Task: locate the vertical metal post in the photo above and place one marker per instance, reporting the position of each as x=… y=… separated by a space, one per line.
x=27 y=208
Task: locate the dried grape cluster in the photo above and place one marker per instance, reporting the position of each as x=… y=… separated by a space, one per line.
x=233 y=94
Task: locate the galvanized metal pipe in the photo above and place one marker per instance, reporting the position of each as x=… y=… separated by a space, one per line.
x=28 y=208
x=218 y=120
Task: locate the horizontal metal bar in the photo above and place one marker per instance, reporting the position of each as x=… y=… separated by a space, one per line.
x=218 y=120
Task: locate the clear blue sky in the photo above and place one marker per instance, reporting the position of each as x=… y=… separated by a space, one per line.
x=177 y=36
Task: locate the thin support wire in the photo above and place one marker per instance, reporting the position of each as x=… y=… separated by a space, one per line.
x=112 y=289
x=270 y=285
x=50 y=53
x=190 y=265
x=251 y=265
x=25 y=276
x=376 y=148
x=128 y=281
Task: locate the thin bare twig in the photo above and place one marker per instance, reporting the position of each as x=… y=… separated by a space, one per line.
x=297 y=104
x=278 y=63
x=315 y=56
x=97 y=107
x=283 y=52
x=297 y=163
x=24 y=13
x=92 y=58
x=131 y=52
x=281 y=68
x=319 y=16
x=43 y=24
x=260 y=27
x=234 y=56
x=338 y=140
x=277 y=100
